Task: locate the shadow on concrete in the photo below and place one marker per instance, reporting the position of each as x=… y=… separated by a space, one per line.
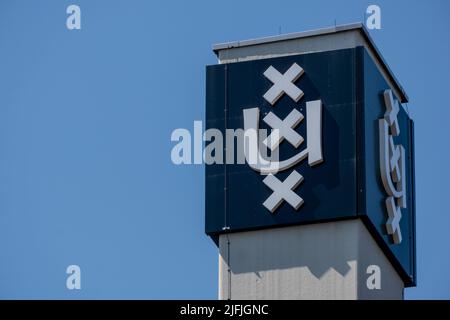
x=318 y=247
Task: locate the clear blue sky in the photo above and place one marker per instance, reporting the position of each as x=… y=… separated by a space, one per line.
x=85 y=123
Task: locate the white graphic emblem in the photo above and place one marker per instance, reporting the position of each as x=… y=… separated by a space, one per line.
x=285 y=130
x=283 y=83
x=392 y=166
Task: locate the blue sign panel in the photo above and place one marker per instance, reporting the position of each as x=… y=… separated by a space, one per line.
x=332 y=142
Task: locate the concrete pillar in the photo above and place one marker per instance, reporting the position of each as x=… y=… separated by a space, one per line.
x=317 y=261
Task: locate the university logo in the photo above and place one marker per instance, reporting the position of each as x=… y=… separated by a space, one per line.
x=392 y=166
x=284 y=130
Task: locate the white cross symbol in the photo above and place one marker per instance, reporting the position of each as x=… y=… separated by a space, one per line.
x=393 y=223
x=283 y=191
x=392 y=110
x=394 y=152
x=285 y=129
x=283 y=83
